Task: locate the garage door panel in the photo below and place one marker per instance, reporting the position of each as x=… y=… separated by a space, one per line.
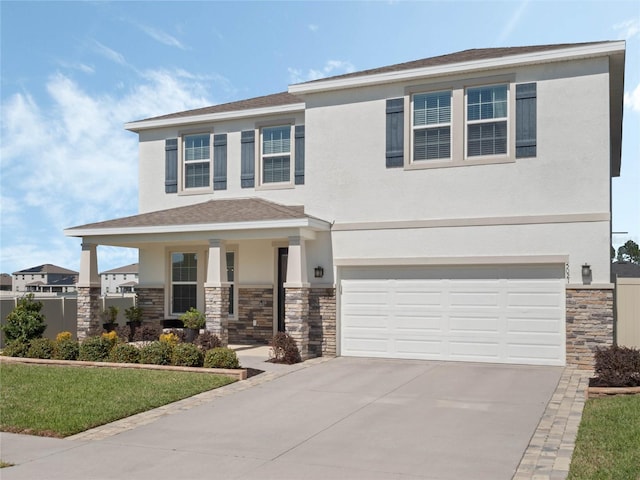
x=488 y=319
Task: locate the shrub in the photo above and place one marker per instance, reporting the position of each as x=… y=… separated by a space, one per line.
x=156 y=353
x=221 y=357
x=63 y=336
x=124 y=333
x=284 y=349
x=178 y=332
x=187 y=355
x=24 y=322
x=124 y=353
x=617 y=366
x=110 y=315
x=148 y=332
x=133 y=314
x=66 y=349
x=40 y=348
x=207 y=340
x=94 y=349
x=17 y=348
x=193 y=318
x=111 y=337
x=170 y=338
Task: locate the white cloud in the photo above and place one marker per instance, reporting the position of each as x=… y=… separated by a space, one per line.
x=72 y=162
x=109 y=53
x=632 y=99
x=331 y=68
x=512 y=23
x=628 y=29
x=162 y=37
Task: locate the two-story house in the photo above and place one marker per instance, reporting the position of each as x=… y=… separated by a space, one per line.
x=451 y=208
x=119 y=280
x=45 y=278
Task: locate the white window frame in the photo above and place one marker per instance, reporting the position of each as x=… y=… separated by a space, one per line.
x=260 y=155
x=183 y=162
x=199 y=283
x=458 y=88
x=234 y=284
x=467 y=122
x=431 y=126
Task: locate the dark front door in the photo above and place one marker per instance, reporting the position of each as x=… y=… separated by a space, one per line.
x=283 y=254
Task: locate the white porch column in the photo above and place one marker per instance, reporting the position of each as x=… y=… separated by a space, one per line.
x=297 y=264
x=216 y=291
x=89 y=276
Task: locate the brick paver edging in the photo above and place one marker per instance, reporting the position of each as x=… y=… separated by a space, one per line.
x=548 y=455
x=238 y=374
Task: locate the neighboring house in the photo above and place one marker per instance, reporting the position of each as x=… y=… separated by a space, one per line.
x=5 y=282
x=119 y=280
x=439 y=209
x=45 y=278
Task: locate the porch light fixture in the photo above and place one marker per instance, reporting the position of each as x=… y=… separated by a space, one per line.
x=318 y=272
x=586 y=270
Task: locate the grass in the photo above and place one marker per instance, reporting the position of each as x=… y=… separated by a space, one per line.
x=61 y=401
x=607 y=445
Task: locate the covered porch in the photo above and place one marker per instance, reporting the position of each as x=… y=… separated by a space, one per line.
x=249 y=264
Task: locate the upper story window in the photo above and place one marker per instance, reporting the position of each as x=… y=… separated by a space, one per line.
x=487 y=121
x=432 y=126
x=276 y=154
x=197 y=160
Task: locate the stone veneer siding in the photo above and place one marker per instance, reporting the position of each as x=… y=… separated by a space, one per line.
x=216 y=301
x=296 y=318
x=589 y=324
x=151 y=300
x=322 y=322
x=253 y=322
x=88 y=311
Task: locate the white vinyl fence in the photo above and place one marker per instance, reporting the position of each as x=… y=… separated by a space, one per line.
x=628 y=312
x=61 y=312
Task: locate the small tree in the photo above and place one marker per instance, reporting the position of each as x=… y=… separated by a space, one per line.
x=629 y=252
x=25 y=322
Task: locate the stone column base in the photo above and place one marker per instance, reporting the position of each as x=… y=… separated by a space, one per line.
x=217 y=312
x=296 y=319
x=88 y=311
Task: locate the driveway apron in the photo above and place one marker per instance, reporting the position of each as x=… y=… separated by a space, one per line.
x=347 y=418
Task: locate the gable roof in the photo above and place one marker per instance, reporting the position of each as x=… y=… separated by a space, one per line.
x=46 y=268
x=133 y=268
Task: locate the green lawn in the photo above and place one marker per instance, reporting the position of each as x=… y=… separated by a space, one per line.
x=61 y=401
x=608 y=442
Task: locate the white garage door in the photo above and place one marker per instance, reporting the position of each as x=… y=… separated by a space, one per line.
x=501 y=315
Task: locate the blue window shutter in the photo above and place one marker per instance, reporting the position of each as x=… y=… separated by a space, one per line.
x=171 y=165
x=526 y=120
x=220 y=161
x=299 y=173
x=395 y=132
x=248 y=159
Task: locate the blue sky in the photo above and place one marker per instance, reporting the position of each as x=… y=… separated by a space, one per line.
x=72 y=73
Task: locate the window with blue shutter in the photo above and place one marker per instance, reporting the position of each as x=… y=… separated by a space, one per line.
x=220 y=161
x=395 y=133
x=299 y=146
x=247 y=158
x=171 y=165
x=526 y=130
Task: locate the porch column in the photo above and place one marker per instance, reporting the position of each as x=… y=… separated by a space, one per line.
x=216 y=291
x=88 y=317
x=296 y=314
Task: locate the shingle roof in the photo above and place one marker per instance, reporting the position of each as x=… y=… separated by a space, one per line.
x=457 y=57
x=46 y=268
x=274 y=100
x=625 y=269
x=133 y=268
x=212 y=211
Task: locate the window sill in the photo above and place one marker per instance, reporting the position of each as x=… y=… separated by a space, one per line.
x=276 y=186
x=195 y=191
x=426 y=164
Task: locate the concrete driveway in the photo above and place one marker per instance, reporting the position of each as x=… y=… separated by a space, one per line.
x=346 y=418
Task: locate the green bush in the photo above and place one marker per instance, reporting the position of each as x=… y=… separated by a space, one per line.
x=156 y=353
x=66 y=349
x=41 y=348
x=24 y=322
x=95 y=349
x=187 y=355
x=17 y=348
x=284 y=349
x=221 y=357
x=124 y=353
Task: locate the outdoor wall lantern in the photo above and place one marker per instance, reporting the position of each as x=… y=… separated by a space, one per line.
x=318 y=272
x=586 y=270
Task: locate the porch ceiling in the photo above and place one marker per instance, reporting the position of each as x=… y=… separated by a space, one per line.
x=224 y=219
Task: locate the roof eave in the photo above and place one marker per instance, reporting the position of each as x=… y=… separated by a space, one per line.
x=214 y=117
x=546 y=56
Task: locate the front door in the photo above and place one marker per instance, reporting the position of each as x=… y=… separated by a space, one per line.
x=283 y=254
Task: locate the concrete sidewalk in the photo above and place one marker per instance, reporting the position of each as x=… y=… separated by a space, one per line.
x=327 y=418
